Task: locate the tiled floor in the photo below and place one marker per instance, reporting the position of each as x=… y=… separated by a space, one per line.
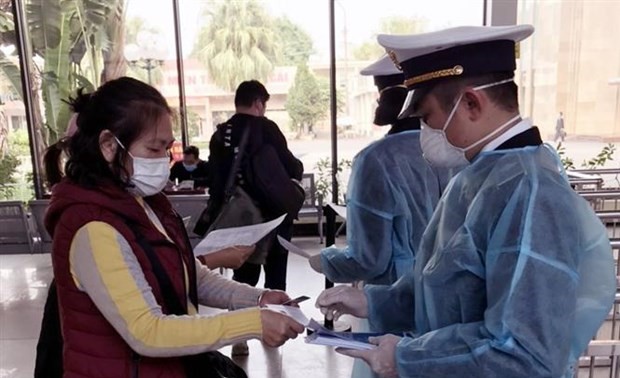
x=23 y=289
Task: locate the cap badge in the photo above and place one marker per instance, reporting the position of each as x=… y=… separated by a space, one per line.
x=392 y=56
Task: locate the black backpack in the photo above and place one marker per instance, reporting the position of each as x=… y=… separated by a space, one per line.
x=270 y=181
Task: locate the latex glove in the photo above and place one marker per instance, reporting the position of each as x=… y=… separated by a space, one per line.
x=382 y=359
x=278 y=328
x=273 y=297
x=315 y=263
x=341 y=300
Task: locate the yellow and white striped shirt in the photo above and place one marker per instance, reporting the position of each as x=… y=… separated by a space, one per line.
x=104 y=266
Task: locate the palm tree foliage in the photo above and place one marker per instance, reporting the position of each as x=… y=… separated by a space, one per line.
x=238 y=43
x=74 y=39
x=294 y=43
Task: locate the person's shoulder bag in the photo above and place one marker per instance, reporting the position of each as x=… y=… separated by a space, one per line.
x=277 y=190
x=239 y=208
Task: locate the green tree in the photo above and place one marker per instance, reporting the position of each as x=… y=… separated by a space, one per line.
x=295 y=44
x=194 y=123
x=81 y=44
x=72 y=36
x=307 y=101
x=8 y=167
x=323 y=167
x=238 y=43
x=389 y=25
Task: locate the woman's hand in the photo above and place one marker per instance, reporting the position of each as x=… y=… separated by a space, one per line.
x=275 y=297
x=277 y=328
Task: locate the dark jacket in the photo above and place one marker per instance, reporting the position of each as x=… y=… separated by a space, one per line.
x=200 y=175
x=405 y=124
x=223 y=148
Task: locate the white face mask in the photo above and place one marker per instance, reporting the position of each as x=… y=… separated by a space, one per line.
x=150 y=175
x=438 y=150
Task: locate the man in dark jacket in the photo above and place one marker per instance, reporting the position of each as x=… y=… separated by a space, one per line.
x=250 y=102
x=191 y=168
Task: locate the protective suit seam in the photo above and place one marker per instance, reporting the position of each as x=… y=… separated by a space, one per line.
x=379 y=213
x=554 y=263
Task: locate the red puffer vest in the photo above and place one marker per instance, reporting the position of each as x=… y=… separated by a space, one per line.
x=92 y=348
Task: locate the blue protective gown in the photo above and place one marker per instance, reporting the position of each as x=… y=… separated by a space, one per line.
x=513 y=277
x=391 y=197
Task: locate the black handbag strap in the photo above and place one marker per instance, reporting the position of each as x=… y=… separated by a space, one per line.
x=206 y=364
x=229 y=189
x=170 y=297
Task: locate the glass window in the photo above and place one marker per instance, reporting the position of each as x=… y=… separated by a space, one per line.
x=282 y=43
x=570 y=69
x=15 y=162
x=285 y=44
x=84 y=44
x=150 y=54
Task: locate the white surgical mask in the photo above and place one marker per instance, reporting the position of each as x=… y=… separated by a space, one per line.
x=438 y=150
x=150 y=175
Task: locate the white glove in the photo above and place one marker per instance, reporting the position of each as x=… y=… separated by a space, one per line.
x=315 y=263
x=382 y=359
x=342 y=300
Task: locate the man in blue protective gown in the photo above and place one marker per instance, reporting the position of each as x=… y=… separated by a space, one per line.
x=514 y=274
x=391 y=196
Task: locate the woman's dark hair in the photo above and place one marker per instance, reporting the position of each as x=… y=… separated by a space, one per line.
x=126 y=107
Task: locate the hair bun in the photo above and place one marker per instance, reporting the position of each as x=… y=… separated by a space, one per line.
x=81 y=101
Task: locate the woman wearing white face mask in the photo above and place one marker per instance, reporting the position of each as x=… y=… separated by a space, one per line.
x=128 y=284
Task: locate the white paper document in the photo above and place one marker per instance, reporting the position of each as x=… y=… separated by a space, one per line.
x=230 y=237
x=186 y=184
x=293 y=248
x=293 y=312
x=340 y=210
x=349 y=340
x=322 y=335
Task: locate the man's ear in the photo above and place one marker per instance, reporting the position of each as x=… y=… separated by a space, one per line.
x=259 y=105
x=475 y=103
x=108 y=145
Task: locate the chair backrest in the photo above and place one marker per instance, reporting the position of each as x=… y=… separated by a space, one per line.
x=15 y=235
x=190 y=205
x=307 y=181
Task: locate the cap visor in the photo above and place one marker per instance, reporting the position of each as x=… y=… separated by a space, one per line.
x=411 y=103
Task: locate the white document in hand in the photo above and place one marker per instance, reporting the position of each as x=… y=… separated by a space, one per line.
x=293 y=312
x=322 y=335
x=348 y=340
x=229 y=237
x=293 y=248
x=340 y=210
